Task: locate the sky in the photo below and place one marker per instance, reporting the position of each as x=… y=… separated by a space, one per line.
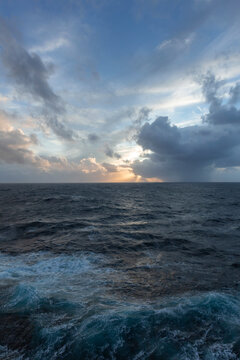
x=119 y=90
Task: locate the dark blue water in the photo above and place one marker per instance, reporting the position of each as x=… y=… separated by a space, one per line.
x=120 y=271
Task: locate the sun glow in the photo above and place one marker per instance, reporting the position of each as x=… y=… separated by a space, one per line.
x=131 y=153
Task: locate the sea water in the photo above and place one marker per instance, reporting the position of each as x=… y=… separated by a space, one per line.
x=120 y=271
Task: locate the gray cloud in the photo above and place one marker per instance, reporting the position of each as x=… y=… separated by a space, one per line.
x=14 y=148
x=192 y=152
x=142 y=116
x=235 y=94
x=110 y=153
x=219 y=113
x=93 y=137
x=30 y=74
x=110 y=167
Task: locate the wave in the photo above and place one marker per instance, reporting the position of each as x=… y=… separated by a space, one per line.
x=60 y=307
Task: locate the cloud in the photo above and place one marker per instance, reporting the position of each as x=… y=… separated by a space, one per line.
x=174 y=52
x=167 y=47
x=51 y=45
x=219 y=113
x=5 y=120
x=89 y=166
x=142 y=115
x=19 y=160
x=235 y=94
x=110 y=167
x=192 y=152
x=15 y=148
x=30 y=75
x=110 y=153
x=93 y=137
x=166 y=55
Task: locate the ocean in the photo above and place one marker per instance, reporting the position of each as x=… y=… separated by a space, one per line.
x=120 y=271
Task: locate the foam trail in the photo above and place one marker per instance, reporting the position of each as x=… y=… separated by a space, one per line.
x=64 y=304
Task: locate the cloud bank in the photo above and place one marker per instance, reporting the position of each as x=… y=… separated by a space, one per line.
x=193 y=153
x=30 y=75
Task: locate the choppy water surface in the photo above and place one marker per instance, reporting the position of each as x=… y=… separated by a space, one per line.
x=120 y=271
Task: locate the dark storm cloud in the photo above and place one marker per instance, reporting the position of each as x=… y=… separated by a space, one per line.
x=110 y=153
x=193 y=152
x=30 y=74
